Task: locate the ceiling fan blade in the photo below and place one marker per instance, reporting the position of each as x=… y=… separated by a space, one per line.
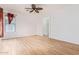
x=31 y=10
x=36 y=11
x=39 y=8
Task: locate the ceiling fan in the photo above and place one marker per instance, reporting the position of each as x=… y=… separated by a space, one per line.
x=34 y=8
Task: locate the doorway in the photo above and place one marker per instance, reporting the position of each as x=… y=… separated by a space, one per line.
x=46 y=26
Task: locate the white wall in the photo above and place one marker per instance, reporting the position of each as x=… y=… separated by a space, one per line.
x=25 y=26
x=65 y=24
x=26 y=23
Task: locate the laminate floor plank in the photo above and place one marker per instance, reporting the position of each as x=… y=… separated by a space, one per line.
x=37 y=45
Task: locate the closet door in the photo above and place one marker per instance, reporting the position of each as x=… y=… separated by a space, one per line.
x=1 y=22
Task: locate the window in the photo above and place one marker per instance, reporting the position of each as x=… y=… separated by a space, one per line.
x=10 y=27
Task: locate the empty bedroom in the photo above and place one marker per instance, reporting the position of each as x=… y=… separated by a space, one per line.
x=39 y=29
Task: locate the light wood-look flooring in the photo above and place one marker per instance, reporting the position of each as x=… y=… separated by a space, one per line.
x=37 y=45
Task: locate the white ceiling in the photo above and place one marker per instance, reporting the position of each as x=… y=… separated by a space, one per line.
x=17 y=8
x=20 y=8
